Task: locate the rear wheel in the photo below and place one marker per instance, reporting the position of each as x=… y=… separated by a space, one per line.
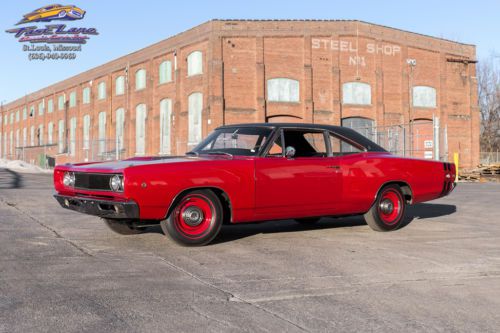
x=308 y=220
x=122 y=227
x=196 y=219
x=388 y=211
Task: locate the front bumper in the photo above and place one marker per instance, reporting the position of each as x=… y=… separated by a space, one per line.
x=102 y=208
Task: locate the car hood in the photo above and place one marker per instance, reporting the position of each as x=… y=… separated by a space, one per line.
x=116 y=166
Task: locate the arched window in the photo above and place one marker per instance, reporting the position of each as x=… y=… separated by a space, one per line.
x=283 y=90
x=195 y=105
x=101 y=90
x=195 y=63
x=165 y=114
x=140 y=79
x=361 y=125
x=60 y=135
x=120 y=85
x=120 y=129
x=50 y=134
x=72 y=136
x=140 y=129
x=85 y=95
x=86 y=131
x=102 y=132
x=60 y=104
x=165 y=72
x=356 y=93
x=72 y=99
x=424 y=97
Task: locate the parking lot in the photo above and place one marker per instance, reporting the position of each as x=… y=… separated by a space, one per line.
x=64 y=271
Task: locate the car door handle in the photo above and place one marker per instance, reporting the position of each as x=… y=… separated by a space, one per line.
x=336 y=167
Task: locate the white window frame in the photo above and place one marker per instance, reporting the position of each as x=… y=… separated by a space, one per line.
x=195 y=63
x=140 y=129
x=165 y=126
x=283 y=89
x=424 y=97
x=195 y=110
x=165 y=72
x=356 y=93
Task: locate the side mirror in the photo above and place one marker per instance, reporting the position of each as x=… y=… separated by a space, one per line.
x=289 y=152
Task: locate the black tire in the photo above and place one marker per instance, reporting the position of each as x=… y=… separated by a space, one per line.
x=196 y=219
x=308 y=220
x=122 y=227
x=388 y=210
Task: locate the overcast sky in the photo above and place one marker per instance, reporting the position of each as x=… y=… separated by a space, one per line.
x=126 y=26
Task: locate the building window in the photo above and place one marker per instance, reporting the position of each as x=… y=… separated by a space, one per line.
x=25 y=113
x=102 y=132
x=195 y=63
x=12 y=117
x=86 y=131
x=41 y=108
x=165 y=114
x=361 y=125
x=195 y=106
x=120 y=129
x=356 y=93
x=11 y=143
x=86 y=95
x=72 y=136
x=120 y=85
x=283 y=90
x=165 y=72
x=101 y=90
x=140 y=79
x=25 y=136
x=32 y=135
x=17 y=138
x=60 y=102
x=17 y=116
x=40 y=135
x=50 y=106
x=72 y=99
x=60 y=137
x=424 y=97
x=140 y=129
x=6 y=119
x=50 y=133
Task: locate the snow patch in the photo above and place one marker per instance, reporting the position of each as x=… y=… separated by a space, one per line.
x=21 y=166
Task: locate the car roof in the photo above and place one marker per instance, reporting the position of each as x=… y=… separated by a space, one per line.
x=340 y=130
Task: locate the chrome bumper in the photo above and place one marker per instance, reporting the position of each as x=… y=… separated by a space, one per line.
x=102 y=208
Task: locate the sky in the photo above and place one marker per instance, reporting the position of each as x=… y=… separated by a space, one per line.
x=125 y=26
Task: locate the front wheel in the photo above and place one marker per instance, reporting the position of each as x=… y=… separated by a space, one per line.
x=195 y=220
x=388 y=211
x=122 y=227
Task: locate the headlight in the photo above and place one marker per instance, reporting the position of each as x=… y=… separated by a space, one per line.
x=116 y=183
x=69 y=179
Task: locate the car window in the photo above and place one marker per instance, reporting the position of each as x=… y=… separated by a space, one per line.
x=342 y=147
x=276 y=148
x=307 y=143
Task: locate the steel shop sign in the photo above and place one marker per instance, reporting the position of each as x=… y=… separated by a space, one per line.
x=48 y=42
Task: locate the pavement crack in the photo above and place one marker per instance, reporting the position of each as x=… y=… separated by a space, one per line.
x=54 y=231
x=231 y=297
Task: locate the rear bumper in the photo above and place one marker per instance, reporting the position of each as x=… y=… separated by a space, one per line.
x=102 y=208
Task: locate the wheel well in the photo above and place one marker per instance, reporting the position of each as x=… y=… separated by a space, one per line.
x=223 y=197
x=405 y=188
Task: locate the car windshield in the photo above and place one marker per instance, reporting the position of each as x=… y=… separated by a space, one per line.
x=245 y=141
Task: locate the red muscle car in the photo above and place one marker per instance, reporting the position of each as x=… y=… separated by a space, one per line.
x=254 y=172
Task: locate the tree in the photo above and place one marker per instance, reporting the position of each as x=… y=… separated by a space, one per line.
x=488 y=77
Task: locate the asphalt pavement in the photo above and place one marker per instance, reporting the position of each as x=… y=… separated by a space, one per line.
x=61 y=271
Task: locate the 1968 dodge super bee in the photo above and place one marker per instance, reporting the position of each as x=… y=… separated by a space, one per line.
x=254 y=172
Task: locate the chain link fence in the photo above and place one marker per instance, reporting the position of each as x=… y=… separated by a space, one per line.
x=488 y=158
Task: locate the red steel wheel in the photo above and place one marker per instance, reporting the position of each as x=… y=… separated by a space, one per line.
x=196 y=218
x=387 y=213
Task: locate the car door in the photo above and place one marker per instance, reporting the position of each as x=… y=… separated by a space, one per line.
x=307 y=184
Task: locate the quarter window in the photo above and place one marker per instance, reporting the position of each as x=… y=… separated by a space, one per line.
x=283 y=90
x=356 y=93
x=424 y=97
x=340 y=147
x=195 y=63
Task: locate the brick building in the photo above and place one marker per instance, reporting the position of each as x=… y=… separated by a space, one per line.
x=164 y=98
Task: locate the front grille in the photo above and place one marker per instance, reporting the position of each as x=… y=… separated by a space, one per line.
x=92 y=181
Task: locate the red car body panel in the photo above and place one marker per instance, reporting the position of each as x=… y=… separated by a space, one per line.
x=267 y=188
